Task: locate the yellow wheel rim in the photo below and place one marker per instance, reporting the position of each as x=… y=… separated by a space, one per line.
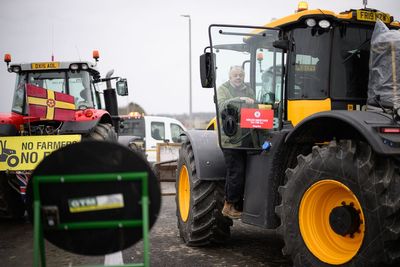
x=184 y=193
x=315 y=208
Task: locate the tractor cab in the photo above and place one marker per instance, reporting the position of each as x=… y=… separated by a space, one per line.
x=308 y=62
x=78 y=79
x=71 y=78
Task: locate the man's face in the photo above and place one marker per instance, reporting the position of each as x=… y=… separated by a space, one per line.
x=236 y=77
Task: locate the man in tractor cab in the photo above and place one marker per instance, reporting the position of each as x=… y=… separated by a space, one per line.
x=231 y=95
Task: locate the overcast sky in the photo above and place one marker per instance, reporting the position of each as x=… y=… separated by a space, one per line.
x=144 y=41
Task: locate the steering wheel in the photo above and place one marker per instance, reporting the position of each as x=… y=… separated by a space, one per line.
x=230 y=119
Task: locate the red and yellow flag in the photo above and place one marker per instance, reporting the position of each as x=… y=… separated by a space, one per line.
x=50 y=105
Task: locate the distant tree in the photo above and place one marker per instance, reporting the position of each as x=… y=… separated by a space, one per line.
x=132 y=107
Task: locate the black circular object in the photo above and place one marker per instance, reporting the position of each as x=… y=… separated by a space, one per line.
x=230 y=118
x=91 y=157
x=344 y=220
x=229 y=126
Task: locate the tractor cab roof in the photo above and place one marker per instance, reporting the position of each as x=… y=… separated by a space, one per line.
x=365 y=16
x=54 y=65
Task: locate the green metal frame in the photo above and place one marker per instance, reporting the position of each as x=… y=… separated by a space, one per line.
x=38 y=240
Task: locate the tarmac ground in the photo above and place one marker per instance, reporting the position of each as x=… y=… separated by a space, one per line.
x=248 y=246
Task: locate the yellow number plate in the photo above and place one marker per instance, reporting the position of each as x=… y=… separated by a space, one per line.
x=372 y=16
x=45 y=65
x=24 y=153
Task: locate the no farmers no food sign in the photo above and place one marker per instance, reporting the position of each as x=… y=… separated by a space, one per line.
x=19 y=153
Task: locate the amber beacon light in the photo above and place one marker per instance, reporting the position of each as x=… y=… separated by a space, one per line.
x=302 y=6
x=96 y=55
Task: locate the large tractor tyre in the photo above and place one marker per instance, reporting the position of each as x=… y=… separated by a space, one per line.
x=11 y=204
x=199 y=204
x=341 y=207
x=103 y=132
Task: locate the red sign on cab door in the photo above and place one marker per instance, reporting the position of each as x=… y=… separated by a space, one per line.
x=257 y=118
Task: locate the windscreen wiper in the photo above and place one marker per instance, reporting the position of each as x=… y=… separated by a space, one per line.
x=354 y=52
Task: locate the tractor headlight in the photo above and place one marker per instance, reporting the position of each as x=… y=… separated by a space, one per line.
x=15 y=69
x=311 y=22
x=74 y=66
x=84 y=66
x=324 y=23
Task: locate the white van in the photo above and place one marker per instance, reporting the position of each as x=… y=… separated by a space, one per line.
x=144 y=132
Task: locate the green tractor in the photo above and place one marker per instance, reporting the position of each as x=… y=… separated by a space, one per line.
x=322 y=139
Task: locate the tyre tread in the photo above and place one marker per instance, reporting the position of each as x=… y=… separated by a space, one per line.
x=378 y=178
x=205 y=224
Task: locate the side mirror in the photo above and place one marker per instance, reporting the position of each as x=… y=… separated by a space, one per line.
x=207 y=74
x=282 y=44
x=122 y=87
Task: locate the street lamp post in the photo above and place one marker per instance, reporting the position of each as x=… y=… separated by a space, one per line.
x=190 y=67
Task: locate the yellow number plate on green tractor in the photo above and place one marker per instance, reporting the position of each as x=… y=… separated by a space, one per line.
x=372 y=16
x=24 y=153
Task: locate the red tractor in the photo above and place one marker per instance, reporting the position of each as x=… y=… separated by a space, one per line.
x=54 y=104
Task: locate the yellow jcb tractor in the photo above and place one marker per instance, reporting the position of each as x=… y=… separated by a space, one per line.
x=322 y=139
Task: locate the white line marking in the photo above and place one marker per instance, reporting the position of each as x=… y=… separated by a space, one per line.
x=114 y=258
